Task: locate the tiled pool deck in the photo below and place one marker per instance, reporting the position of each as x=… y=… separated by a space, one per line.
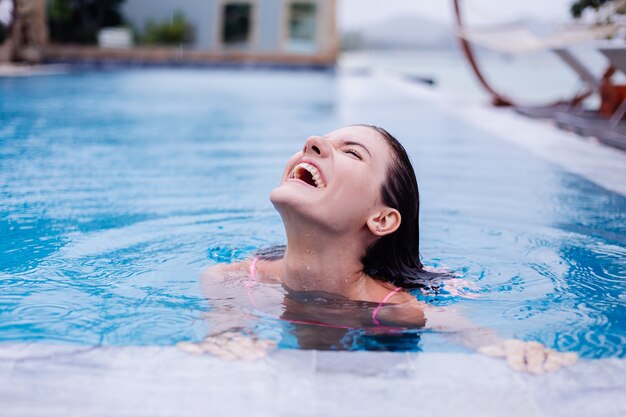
x=40 y=380
x=64 y=380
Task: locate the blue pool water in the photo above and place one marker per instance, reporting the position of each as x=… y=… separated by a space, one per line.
x=118 y=188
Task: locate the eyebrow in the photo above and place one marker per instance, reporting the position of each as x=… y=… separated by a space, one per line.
x=353 y=143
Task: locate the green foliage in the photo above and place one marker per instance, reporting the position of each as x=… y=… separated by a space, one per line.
x=59 y=11
x=172 y=32
x=78 y=21
x=580 y=6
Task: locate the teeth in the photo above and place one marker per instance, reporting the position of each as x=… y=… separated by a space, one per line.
x=315 y=174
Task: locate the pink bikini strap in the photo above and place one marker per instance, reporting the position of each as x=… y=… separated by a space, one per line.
x=253 y=269
x=252 y=281
x=380 y=306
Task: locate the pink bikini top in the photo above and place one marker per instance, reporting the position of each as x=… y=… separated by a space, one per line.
x=254 y=279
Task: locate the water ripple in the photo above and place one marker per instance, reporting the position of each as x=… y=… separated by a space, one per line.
x=106 y=221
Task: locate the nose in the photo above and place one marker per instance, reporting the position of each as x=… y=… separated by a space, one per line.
x=317 y=146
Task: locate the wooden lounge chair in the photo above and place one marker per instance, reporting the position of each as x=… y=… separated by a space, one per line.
x=592 y=124
x=607 y=124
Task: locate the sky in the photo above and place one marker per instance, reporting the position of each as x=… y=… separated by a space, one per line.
x=6 y=8
x=355 y=14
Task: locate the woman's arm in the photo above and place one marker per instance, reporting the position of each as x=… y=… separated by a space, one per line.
x=230 y=333
x=531 y=356
x=221 y=286
x=520 y=355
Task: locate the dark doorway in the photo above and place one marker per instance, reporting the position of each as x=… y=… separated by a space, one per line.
x=237 y=23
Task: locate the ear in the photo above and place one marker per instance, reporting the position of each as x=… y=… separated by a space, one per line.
x=384 y=222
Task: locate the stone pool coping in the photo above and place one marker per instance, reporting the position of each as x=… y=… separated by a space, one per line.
x=51 y=380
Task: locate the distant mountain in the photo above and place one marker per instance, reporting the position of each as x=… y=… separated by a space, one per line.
x=401 y=32
x=416 y=32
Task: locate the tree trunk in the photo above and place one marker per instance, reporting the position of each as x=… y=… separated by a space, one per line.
x=6 y=48
x=29 y=34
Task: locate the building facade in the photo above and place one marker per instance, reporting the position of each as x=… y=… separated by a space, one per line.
x=304 y=28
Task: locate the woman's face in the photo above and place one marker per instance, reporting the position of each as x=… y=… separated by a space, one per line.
x=335 y=180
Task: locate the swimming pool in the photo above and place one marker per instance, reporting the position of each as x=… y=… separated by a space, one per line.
x=118 y=187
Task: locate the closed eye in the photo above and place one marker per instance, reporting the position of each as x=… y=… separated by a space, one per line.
x=353 y=152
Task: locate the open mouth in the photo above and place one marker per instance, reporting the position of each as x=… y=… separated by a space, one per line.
x=307 y=173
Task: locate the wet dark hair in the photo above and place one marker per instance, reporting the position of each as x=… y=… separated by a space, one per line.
x=395 y=257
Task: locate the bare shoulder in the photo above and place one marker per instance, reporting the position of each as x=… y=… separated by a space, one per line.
x=402 y=297
x=265 y=270
x=405 y=311
x=221 y=272
x=270 y=271
x=217 y=280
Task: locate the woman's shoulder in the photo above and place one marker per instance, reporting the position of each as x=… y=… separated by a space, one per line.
x=223 y=270
x=405 y=310
x=270 y=270
x=264 y=270
x=401 y=297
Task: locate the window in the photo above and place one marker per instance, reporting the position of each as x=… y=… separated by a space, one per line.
x=302 y=26
x=236 y=23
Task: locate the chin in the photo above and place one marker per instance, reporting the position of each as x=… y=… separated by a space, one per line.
x=283 y=197
x=289 y=200
x=299 y=209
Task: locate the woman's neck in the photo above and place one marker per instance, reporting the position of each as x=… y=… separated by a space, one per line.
x=317 y=261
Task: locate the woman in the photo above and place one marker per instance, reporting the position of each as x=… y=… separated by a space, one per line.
x=349 y=201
